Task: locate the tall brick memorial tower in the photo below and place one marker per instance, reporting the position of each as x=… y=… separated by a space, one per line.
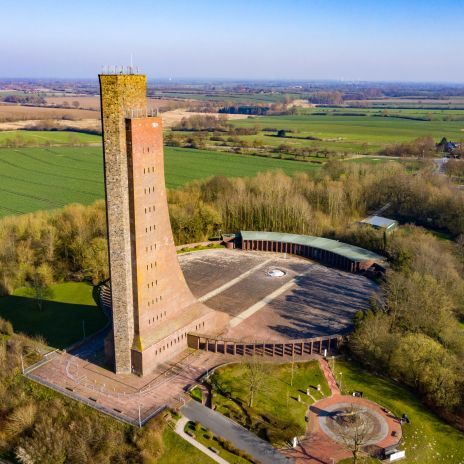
x=153 y=308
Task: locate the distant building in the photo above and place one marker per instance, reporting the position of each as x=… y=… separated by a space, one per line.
x=447 y=147
x=378 y=222
x=451 y=147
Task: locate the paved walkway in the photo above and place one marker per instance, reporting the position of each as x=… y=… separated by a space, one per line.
x=240 y=437
x=328 y=374
x=180 y=431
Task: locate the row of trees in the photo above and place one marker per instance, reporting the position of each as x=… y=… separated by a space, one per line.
x=25 y=99
x=69 y=244
x=422 y=147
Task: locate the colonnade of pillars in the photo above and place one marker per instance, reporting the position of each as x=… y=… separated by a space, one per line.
x=291 y=348
x=306 y=251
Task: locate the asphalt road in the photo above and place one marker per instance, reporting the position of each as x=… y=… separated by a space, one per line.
x=235 y=433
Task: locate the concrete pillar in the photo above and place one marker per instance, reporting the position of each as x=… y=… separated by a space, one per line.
x=311 y=348
x=207 y=343
x=234 y=348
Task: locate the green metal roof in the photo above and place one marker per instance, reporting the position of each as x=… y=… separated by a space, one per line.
x=343 y=249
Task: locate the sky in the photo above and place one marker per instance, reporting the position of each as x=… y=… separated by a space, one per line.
x=376 y=40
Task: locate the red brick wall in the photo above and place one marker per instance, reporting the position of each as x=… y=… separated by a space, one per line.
x=160 y=290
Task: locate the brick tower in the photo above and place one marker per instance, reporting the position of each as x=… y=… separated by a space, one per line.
x=153 y=308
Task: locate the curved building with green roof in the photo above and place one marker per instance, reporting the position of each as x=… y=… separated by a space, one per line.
x=332 y=252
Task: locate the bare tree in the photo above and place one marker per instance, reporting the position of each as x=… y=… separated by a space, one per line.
x=255 y=376
x=39 y=282
x=353 y=430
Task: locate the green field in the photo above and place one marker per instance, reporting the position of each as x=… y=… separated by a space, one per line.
x=52 y=137
x=353 y=133
x=46 y=178
x=427 y=439
x=62 y=319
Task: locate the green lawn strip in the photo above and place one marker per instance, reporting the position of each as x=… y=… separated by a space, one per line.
x=62 y=319
x=199 y=248
x=54 y=137
x=276 y=404
x=197 y=394
x=206 y=438
x=179 y=451
x=427 y=439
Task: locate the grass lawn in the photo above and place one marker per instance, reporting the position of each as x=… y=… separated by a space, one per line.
x=63 y=317
x=276 y=408
x=178 y=451
x=54 y=137
x=206 y=438
x=427 y=439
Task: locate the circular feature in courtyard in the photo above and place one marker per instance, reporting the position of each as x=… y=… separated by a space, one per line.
x=275 y=272
x=347 y=423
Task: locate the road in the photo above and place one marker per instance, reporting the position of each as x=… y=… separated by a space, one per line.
x=235 y=433
x=440 y=164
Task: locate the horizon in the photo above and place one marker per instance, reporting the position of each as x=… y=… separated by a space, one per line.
x=237 y=80
x=350 y=41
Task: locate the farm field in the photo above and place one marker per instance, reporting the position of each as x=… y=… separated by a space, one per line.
x=46 y=178
x=19 y=112
x=52 y=137
x=63 y=318
x=351 y=133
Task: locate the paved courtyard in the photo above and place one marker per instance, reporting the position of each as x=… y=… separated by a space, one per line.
x=310 y=300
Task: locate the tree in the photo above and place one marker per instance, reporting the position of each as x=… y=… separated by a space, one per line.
x=255 y=375
x=76 y=104
x=353 y=428
x=39 y=281
x=281 y=133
